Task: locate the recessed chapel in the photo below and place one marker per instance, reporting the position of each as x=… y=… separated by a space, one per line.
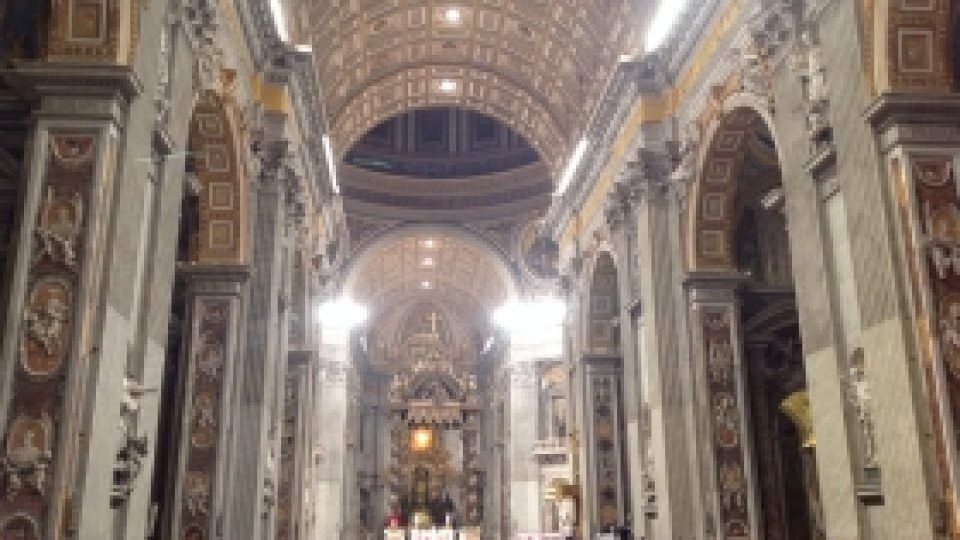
x=479 y=269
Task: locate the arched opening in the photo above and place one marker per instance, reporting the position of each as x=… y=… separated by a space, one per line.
x=603 y=336
x=740 y=229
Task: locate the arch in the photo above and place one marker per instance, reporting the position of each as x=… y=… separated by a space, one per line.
x=908 y=46
x=603 y=305
x=215 y=163
x=711 y=218
x=477 y=90
x=366 y=252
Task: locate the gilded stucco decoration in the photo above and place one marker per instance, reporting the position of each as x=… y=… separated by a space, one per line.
x=536 y=65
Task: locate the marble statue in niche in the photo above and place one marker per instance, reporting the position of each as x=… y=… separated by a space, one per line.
x=858 y=394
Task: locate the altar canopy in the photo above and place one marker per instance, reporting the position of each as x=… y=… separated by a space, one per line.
x=434 y=421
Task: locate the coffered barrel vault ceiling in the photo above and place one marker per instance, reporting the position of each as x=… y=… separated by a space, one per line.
x=537 y=65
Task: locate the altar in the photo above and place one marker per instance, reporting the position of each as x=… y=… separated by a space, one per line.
x=431 y=534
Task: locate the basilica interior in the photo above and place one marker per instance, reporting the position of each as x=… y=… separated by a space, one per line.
x=479 y=269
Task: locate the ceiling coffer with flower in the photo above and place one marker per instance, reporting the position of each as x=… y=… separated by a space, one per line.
x=537 y=65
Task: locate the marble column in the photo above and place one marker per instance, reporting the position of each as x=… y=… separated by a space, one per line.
x=669 y=435
x=718 y=357
x=331 y=419
x=61 y=430
x=253 y=452
x=523 y=472
x=294 y=458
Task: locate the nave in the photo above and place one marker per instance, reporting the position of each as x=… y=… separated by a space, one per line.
x=479 y=269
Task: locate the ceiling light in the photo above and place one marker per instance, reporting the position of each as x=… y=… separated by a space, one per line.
x=533 y=315
x=342 y=313
x=429 y=243
x=331 y=165
x=448 y=86
x=535 y=328
x=452 y=15
x=663 y=22
x=426 y=285
x=578 y=153
x=428 y=261
x=279 y=20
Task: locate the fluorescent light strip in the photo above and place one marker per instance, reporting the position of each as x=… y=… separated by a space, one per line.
x=663 y=22
x=279 y=19
x=331 y=165
x=578 y=153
